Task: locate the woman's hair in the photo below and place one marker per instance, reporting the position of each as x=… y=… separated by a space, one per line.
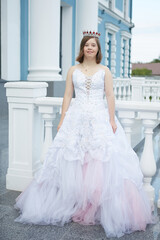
x=80 y=57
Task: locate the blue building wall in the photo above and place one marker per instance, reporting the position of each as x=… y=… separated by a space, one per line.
x=119 y=5
x=24 y=39
x=106 y=18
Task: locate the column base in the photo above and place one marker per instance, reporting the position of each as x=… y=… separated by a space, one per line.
x=17 y=183
x=44 y=75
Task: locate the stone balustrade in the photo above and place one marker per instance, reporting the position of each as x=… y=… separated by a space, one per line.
x=137 y=89
x=31 y=118
x=122 y=88
x=144 y=89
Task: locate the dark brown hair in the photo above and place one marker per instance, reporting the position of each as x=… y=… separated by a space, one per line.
x=80 y=56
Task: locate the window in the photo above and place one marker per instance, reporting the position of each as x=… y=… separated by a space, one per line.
x=110 y=4
x=123 y=57
x=109 y=43
x=125 y=9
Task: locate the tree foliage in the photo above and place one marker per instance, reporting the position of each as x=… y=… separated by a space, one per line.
x=156 y=60
x=141 y=72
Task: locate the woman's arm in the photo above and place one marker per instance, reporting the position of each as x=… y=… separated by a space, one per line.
x=67 y=96
x=110 y=97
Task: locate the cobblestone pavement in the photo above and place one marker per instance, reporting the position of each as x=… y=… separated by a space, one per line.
x=10 y=230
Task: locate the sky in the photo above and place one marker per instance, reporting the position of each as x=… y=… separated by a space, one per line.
x=146 y=33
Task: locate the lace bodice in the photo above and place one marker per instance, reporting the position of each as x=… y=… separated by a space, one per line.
x=89 y=89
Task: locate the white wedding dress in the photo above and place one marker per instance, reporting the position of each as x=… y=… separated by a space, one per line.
x=90 y=175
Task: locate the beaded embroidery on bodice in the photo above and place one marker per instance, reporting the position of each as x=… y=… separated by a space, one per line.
x=89 y=89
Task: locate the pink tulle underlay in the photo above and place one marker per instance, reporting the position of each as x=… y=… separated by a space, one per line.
x=87 y=214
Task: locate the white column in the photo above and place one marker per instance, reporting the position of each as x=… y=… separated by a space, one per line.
x=10 y=40
x=44 y=37
x=25 y=133
x=87 y=19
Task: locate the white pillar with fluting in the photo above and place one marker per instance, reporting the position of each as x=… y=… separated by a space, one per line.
x=44 y=38
x=87 y=19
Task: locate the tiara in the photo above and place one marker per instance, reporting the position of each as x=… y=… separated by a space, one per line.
x=92 y=34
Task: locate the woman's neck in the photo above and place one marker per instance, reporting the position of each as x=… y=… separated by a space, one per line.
x=89 y=62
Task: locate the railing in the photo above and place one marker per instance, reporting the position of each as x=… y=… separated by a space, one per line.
x=122 y=88
x=31 y=118
x=151 y=90
x=137 y=89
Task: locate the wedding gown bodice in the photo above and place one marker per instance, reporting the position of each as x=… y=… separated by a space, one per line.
x=89 y=90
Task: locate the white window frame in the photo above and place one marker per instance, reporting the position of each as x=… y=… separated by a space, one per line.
x=112 y=29
x=126 y=11
x=125 y=36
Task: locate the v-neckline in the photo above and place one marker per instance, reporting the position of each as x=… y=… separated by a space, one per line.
x=90 y=75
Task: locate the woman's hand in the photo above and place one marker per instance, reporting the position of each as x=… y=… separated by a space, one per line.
x=113 y=125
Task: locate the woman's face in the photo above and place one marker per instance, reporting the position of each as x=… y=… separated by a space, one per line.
x=90 y=48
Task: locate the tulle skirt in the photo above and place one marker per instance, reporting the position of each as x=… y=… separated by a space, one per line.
x=90 y=176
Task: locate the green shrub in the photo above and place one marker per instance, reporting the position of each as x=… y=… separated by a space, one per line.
x=141 y=72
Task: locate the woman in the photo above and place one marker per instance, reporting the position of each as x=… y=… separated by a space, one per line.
x=91 y=175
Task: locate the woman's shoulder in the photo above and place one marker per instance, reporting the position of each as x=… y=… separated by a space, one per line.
x=104 y=67
x=72 y=68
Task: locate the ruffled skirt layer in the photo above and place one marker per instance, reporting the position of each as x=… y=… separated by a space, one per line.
x=90 y=176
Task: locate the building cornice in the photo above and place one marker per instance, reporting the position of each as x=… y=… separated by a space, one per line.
x=103 y=6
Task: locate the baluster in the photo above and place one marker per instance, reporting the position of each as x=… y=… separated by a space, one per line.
x=48 y=111
x=124 y=90
x=129 y=90
x=147 y=92
x=127 y=120
x=115 y=88
x=155 y=94
x=48 y=138
x=120 y=91
x=147 y=162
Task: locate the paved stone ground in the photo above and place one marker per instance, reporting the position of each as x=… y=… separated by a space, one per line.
x=10 y=230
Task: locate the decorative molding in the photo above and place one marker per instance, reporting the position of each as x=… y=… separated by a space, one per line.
x=111 y=27
x=99 y=20
x=105 y=3
x=126 y=35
